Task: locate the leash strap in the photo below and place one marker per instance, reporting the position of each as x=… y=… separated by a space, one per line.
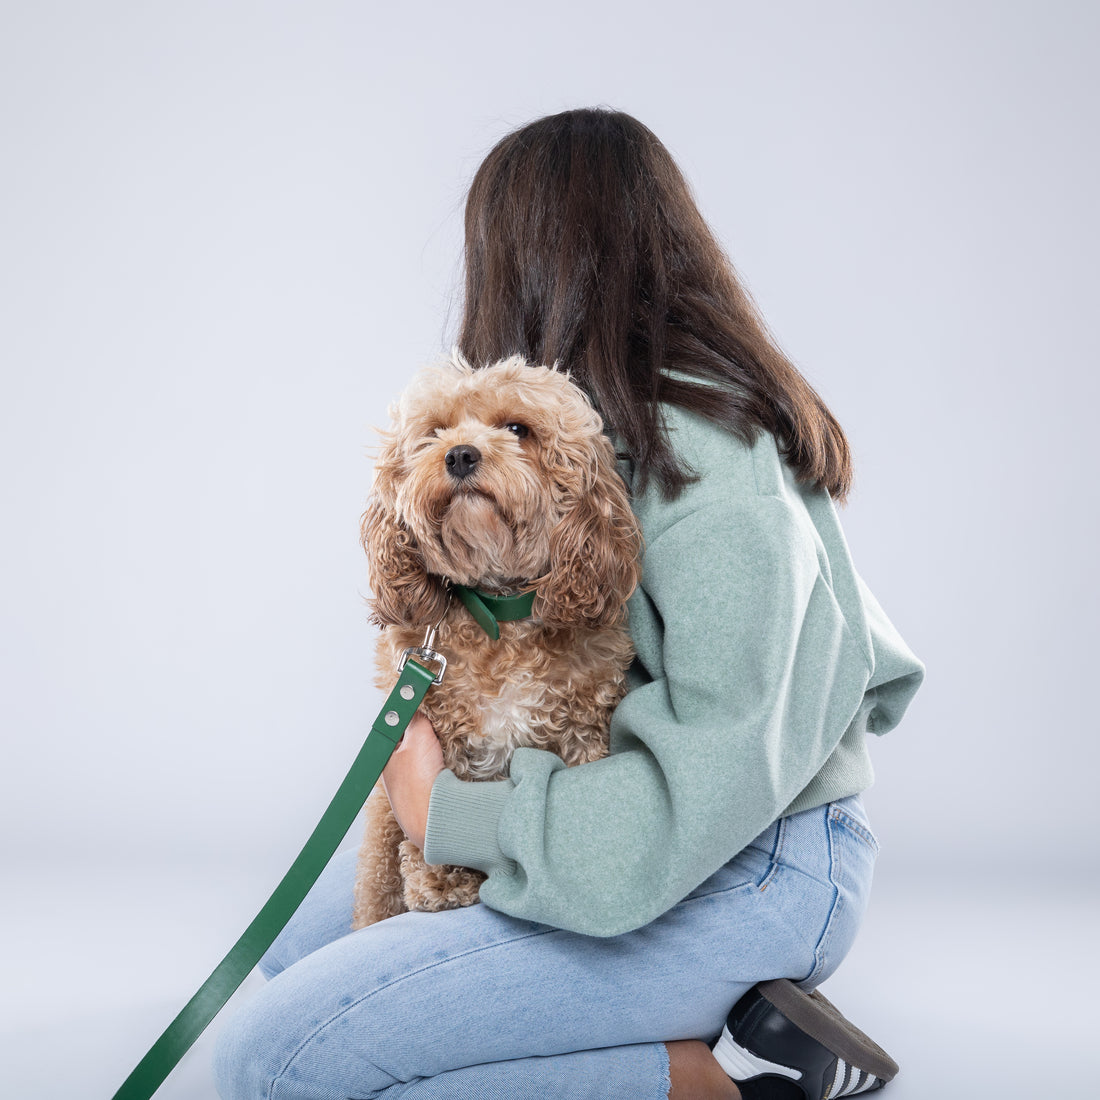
x=388 y=728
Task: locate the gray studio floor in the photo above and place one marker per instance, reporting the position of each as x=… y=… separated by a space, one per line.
x=979 y=988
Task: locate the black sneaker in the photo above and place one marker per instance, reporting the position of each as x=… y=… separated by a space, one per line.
x=782 y=1044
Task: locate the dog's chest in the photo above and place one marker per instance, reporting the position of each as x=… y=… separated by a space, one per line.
x=523 y=690
x=504 y=721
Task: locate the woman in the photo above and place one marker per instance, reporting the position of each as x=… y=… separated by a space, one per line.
x=631 y=902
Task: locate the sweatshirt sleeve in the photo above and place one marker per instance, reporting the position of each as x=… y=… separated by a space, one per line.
x=760 y=677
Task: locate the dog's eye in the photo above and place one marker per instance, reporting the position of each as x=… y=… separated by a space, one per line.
x=520 y=431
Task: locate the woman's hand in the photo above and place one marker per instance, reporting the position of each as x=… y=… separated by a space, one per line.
x=409 y=776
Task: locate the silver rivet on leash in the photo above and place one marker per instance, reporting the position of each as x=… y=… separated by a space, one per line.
x=392 y=718
x=407 y=692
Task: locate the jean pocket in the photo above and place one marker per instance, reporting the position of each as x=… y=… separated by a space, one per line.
x=849 y=814
x=752 y=867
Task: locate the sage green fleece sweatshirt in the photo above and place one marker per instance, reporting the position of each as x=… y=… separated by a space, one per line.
x=763 y=660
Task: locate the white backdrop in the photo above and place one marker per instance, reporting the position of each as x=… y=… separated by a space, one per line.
x=230 y=231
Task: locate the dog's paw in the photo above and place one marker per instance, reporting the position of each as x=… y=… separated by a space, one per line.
x=432 y=889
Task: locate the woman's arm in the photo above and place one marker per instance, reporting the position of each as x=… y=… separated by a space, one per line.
x=761 y=678
x=764 y=662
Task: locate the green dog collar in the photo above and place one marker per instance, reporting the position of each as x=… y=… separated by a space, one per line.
x=489 y=609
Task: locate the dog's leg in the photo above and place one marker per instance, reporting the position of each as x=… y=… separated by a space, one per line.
x=379 y=889
x=430 y=888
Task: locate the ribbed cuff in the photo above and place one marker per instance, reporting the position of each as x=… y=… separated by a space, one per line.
x=462 y=823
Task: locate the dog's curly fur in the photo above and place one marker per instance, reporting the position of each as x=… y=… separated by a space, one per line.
x=544 y=508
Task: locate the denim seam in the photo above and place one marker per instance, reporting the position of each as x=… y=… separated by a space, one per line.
x=396 y=981
x=748 y=884
x=777 y=852
x=835 y=872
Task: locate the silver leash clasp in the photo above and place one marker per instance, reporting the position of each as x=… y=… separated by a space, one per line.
x=426 y=651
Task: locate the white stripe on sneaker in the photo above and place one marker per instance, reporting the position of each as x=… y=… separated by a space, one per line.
x=740 y=1064
x=848 y=1081
x=838 y=1080
x=863 y=1082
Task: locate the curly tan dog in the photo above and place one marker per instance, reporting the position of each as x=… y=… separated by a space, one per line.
x=498 y=480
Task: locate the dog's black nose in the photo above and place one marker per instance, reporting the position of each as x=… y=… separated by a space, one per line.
x=462 y=460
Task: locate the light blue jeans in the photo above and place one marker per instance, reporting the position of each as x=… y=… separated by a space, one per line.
x=475 y=1004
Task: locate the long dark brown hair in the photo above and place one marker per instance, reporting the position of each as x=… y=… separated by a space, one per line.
x=584 y=247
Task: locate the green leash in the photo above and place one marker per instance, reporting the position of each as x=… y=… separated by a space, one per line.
x=388 y=728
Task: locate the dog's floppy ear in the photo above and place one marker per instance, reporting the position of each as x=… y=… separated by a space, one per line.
x=403 y=591
x=594 y=554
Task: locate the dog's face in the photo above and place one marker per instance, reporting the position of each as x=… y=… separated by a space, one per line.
x=502 y=478
x=490 y=462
